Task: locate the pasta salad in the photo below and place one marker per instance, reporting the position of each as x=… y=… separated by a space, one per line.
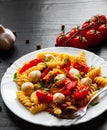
x=58 y=83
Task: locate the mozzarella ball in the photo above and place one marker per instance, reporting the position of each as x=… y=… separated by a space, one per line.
x=60 y=77
x=49 y=56
x=86 y=81
x=58 y=98
x=74 y=72
x=35 y=75
x=27 y=87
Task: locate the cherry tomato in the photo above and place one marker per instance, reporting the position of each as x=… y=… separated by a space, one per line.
x=80 y=42
x=63 y=39
x=69 y=86
x=103 y=29
x=94 y=37
x=81 y=66
x=67 y=63
x=81 y=93
x=86 y=26
x=74 y=31
x=98 y=20
x=44 y=96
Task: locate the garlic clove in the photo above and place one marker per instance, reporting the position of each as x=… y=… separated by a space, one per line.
x=1 y=29
x=7 y=38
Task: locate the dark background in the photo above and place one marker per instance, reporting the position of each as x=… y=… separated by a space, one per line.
x=37 y=22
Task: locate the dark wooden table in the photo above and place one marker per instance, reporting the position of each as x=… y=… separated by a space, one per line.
x=37 y=22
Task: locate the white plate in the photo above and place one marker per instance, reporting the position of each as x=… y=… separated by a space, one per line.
x=9 y=88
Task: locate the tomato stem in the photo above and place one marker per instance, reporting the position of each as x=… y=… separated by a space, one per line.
x=63 y=28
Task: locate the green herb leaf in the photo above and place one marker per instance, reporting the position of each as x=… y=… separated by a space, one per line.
x=14 y=76
x=78 y=76
x=66 y=60
x=46 y=89
x=92 y=67
x=39 y=85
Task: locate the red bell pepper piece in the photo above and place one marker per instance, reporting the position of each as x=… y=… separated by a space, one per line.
x=70 y=76
x=30 y=64
x=45 y=72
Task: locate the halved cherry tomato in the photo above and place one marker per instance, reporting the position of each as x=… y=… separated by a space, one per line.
x=30 y=64
x=44 y=96
x=81 y=93
x=67 y=63
x=69 y=86
x=81 y=66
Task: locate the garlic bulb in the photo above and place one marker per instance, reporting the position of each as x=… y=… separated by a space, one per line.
x=7 y=38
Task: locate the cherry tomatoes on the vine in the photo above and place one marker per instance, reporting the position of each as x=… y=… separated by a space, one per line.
x=86 y=26
x=80 y=42
x=103 y=29
x=98 y=20
x=94 y=37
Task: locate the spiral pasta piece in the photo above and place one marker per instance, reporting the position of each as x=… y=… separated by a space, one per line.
x=93 y=73
x=82 y=57
x=21 y=79
x=100 y=81
x=23 y=99
x=54 y=64
x=38 y=108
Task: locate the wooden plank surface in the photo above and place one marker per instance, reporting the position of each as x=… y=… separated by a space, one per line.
x=39 y=21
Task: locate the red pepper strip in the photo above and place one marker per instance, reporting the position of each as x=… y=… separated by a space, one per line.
x=45 y=72
x=30 y=64
x=70 y=76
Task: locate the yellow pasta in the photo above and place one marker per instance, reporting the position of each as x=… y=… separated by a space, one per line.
x=101 y=81
x=53 y=81
x=38 y=108
x=94 y=72
x=24 y=99
x=82 y=57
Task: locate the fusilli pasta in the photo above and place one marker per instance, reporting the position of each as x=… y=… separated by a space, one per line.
x=57 y=83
